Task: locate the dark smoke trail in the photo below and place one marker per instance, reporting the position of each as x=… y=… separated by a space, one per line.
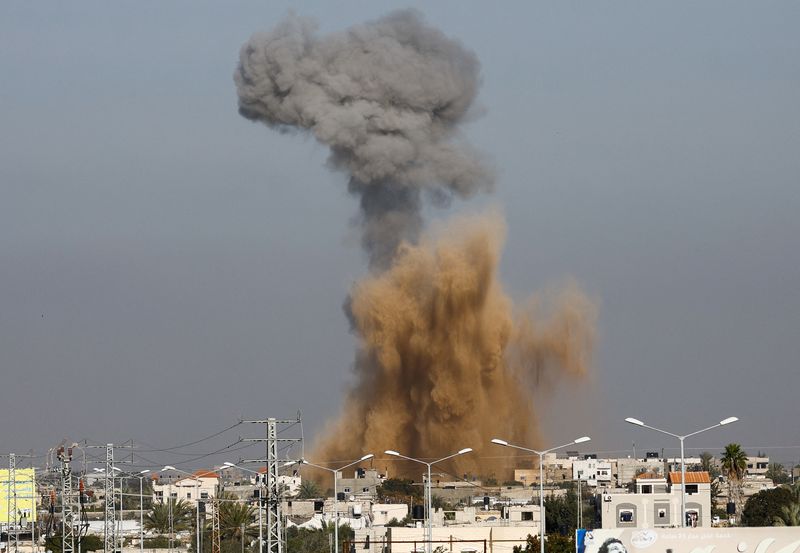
x=443 y=362
x=387 y=98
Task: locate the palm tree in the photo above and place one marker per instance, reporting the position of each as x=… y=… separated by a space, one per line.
x=777 y=473
x=158 y=519
x=734 y=465
x=236 y=518
x=709 y=464
x=308 y=490
x=790 y=515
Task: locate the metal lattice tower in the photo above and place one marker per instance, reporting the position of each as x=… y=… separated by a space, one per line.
x=13 y=539
x=67 y=501
x=215 y=545
x=274 y=522
x=109 y=544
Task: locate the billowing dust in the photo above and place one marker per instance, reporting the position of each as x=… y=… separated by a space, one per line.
x=445 y=363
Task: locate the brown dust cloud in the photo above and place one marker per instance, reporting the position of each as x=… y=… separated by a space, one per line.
x=445 y=360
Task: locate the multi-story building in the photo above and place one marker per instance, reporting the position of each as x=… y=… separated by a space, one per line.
x=201 y=485
x=656 y=502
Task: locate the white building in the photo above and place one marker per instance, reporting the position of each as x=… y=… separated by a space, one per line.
x=201 y=485
x=657 y=502
x=594 y=472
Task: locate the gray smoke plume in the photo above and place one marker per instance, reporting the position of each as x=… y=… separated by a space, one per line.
x=387 y=98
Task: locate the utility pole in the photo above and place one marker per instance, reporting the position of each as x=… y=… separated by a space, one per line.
x=215 y=541
x=67 y=501
x=109 y=534
x=13 y=542
x=274 y=533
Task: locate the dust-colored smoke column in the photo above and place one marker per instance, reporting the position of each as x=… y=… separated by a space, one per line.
x=443 y=361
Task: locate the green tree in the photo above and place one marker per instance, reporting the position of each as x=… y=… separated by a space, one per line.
x=308 y=490
x=707 y=464
x=777 y=473
x=762 y=508
x=716 y=492
x=158 y=519
x=87 y=543
x=553 y=543
x=399 y=490
x=734 y=466
x=310 y=540
x=438 y=502
x=789 y=515
x=236 y=518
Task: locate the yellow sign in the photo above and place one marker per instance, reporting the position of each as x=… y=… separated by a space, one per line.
x=25 y=490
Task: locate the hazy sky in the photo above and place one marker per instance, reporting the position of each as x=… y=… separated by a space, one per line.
x=167 y=266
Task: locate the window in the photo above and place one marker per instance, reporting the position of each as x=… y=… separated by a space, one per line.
x=626 y=516
x=203 y=495
x=188 y=495
x=647 y=488
x=527 y=515
x=347 y=490
x=174 y=495
x=691 y=488
x=662 y=513
x=365 y=490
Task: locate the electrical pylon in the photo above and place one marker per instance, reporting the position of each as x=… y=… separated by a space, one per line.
x=274 y=522
x=215 y=542
x=13 y=539
x=67 y=501
x=109 y=543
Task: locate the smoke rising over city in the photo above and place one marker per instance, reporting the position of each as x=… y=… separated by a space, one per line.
x=444 y=359
x=387 y=98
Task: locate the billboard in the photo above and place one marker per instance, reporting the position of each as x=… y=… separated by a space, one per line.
x=25 y=489
x=691 y=540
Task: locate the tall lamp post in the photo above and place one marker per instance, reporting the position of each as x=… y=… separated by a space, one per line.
x=335 y=473
x=637 y=422
x=197 y=501
x=140 y=476
x=541 y=455
x=428 y=487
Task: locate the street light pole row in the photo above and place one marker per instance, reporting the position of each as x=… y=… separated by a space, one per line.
x=428 y=492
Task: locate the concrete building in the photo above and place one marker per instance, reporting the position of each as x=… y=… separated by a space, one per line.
x=594 y=472
x=363 y=485
x=656 y=502
x=384 y=513
x=757 y=466
x=628 y=468
x=201 y=485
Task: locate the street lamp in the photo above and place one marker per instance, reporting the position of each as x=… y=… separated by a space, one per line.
x=428 y=487
x=541 y=455
x=197 y=504
x=336 y=489
x=121 y=485
x=723 y=422
x=141 y=510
